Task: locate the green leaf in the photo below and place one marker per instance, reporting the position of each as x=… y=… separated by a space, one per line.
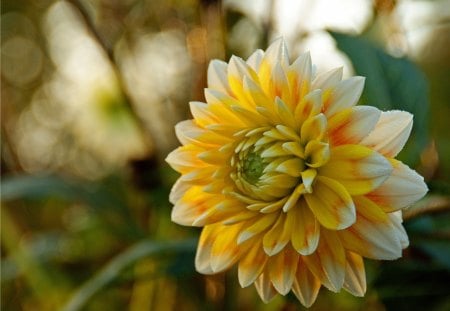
x=391 y=83
x=106 y=197
x=141 y=250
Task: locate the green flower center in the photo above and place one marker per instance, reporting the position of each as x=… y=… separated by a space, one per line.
x=253 y=167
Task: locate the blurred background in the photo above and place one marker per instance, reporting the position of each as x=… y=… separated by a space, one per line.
x=91 y=91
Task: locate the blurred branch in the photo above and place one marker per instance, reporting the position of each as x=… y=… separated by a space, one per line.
x=430 y=204
x=112 y=270
x=90 y=26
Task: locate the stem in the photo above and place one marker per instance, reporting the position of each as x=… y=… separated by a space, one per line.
x=90 y=26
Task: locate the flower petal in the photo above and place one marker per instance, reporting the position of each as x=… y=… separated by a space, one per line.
x=275 y=54
x=191 y=205
x=237 y=70
x=225 y=252
x=306 y=286
x=306 y=229
x=314 y=128
x=358 y=168
x=351 y=125
x=264 y=287
x=317 y=153
x=218 y=76
x=184 y=159
x=373 y=235
x=328 y=262
x=251 y=264
x=278 y=236
x=331 y=204
x=397 y=220
x=401 y=189
x=310 y=105
x=390 y=133
x=355 y=275
x=255 y=59
x=328 y=80
x=258 y=226
x=282 y=268
x=345 y=94
x=190 y=133
x=205 y=243
x=299 y=75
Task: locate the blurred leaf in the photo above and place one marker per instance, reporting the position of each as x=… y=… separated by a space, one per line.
x=41 y=248
x=106 y=197
x=439 y=250
x=391 y=83
x=431 y=234
x=112 y=270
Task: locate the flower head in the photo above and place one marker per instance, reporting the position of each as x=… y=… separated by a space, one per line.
x=289 y=179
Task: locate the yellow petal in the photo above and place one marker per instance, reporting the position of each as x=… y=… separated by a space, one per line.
x=259 y=225
x=190 y=133
x=227 y=211
x=306 y=229
x=314 y=128
x=255 y=92
x=237 y=70
x=254 y=60
x=344 y=94
x=202 y=115
x=309 y=106
x=275 y=53
x=192 y=205
x=402 y=188
x=185 y=158
x=294 y=148
x=390 y=133
x=358 y=168
x=264 y=287
x=299 y=75
x=178 y=190
x=308 y=177
x=328 y=262
x=217 y=76
x=373 y=235
x=293 y=198
x=278 y=236
x=331 y=204
x=279 y=84
x=205 y=243
x=285 y=114
x=306 y=286
x=293 y=167
x=317 y=153
x=351 y=125
x=225 y=252
x=355 y=275
x=282 y=268
x=251 y=264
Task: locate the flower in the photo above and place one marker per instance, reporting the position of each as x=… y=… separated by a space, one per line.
x=289 y=179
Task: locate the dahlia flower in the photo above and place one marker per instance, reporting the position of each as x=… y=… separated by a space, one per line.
x=290 y=180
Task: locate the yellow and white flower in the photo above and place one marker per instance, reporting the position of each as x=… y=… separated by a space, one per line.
x=289 y=179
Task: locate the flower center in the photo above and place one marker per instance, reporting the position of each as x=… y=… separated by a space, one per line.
x=275 y=165
x=252 y=167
